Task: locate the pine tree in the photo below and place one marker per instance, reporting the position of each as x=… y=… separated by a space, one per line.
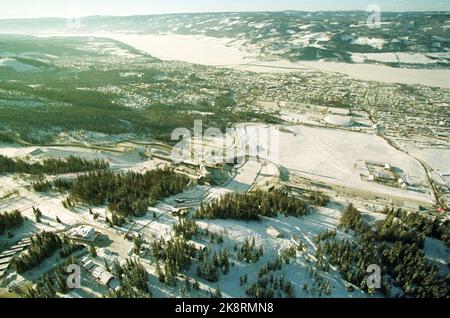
x=196 y=285
x=218 y=293
x=92 y=250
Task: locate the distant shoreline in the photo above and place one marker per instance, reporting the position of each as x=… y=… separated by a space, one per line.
x=176 y=47
x=216 y=52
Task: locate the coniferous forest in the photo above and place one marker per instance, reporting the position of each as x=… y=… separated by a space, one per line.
x=130 y=193
x=253 y=205
x=42 y=246
x=51 y=166
x=52 y=283
x=10 y=220
x=401 y=225
x=133 y=279
x=403 y=262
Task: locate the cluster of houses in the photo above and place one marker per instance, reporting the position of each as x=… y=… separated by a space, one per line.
x=100 y=273
x=384 y=173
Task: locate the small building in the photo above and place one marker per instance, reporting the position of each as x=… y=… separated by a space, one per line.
x=83 y=233
x=23 y=245
x=198 y=246
x=274 y=233
x=26 y=241
x=182 y=211
x=114 y=284
x=98 y=271
x=17 y=249
x=105 y=278
x=107 y=255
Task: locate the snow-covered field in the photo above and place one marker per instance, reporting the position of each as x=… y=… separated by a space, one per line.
x=304 y=228
x=436 y=158
x=245 y=177
x=337 y=157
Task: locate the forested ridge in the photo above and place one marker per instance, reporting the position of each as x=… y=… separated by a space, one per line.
x=52 y=283
x=398 y=250
x=42 y=246
x=51 y=166
x=133 y=278
x=412 y=227
x=127 y=194
x=252 y=206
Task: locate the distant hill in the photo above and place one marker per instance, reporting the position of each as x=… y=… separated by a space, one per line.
x=336 y=36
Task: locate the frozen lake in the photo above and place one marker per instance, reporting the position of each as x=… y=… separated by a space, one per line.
x=219 y=52
x=216 y=52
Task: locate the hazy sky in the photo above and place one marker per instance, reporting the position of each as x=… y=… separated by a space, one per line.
x=65 y=8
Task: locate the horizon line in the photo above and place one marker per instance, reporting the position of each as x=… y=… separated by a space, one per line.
x=213 y=12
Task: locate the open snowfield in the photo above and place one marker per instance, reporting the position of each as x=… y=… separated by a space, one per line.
x=336 y=157
x=245 y=177
x=49 y=204
x=437 y=158
x=304 y=228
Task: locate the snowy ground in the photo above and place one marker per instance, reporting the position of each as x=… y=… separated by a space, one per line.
x=436 y=158
x=236 y=232
x=337 y=156
x=305 y=228
x=319 y=153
